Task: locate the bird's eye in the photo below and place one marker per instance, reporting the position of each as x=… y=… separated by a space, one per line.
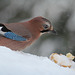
x=45 y=26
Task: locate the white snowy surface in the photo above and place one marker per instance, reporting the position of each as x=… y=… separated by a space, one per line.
x=19 y=63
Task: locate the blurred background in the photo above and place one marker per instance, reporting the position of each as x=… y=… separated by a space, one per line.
x=61 y=13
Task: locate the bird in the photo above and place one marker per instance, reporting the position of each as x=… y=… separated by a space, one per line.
x=18 y=36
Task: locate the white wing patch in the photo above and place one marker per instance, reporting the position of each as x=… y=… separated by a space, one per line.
x=1 y=32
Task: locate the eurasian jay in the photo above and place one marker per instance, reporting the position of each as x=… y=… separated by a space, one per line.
x=18 y=36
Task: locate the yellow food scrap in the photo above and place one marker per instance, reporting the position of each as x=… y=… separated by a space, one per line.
x=70 y=56
x=62 y=60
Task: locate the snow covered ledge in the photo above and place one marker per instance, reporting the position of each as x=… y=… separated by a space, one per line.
x=18 y=63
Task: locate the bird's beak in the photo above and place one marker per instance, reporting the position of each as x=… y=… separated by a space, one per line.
x=52 y=30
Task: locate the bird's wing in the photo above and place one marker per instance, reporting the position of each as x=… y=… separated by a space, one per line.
x=18 y=29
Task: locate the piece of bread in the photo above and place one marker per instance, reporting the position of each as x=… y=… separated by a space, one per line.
x=62 y=60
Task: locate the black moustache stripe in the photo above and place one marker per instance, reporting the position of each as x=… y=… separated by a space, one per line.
x=45 y=31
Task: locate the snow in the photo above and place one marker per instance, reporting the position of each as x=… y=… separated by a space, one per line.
x=19 y=63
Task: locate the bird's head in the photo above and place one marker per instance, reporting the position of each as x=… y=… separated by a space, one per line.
x=43 y=25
